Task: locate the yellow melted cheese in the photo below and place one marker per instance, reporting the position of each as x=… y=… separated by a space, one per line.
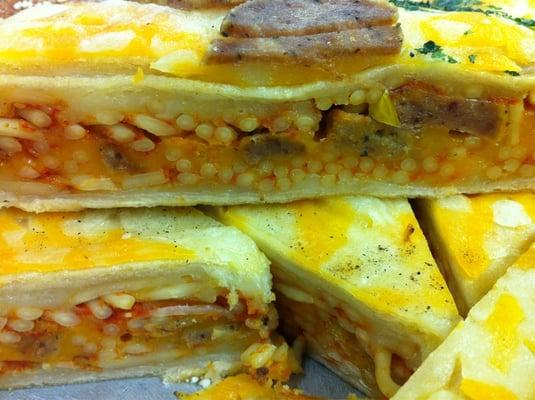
x=475 y=390
x=467 y=226
x=503 y=325
x=244 y=387
x=490 y=355
x=367 y=251
x=46 y=246
x=527 y=260
x=492 y=43
x=126 y=35
x=318 y=245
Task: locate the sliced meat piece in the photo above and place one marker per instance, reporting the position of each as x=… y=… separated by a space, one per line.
x=41 y=342
x=420 y=106
x=382 y=40
x=366 y=136
x=114 y=157
x=268 y=18
x=264 y=146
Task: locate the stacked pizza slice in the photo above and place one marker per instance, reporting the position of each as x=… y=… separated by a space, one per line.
x=363 y=173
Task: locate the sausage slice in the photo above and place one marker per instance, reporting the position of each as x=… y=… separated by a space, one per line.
x=382 y=40
x=268 y=18
x=419 y=106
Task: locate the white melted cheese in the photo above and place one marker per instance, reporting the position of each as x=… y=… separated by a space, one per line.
x=510 y=214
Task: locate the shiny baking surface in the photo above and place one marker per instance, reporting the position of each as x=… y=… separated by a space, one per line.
x=316 y=380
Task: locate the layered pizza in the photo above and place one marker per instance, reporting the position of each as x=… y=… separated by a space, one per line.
x=114 y=103
x=123 y=293
x=490 y=355
x=476 y=238
x=355 y=277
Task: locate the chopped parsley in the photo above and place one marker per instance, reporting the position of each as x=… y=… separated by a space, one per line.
x=455 y=5
x=461 y=5
x=436 y=52
x=472 y=58
x=512 y=73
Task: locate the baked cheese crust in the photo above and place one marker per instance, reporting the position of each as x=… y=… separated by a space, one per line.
x=121 y=293
x=117 y=103
x=491 y=354
x=354 y=275
x=475 y=239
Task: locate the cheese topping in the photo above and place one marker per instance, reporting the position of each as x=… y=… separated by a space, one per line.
x=47 y=247
x=475 y=390
x=481 y=42
x=527 y=261
x=175 y=42
x=503 y=324
x=364 y=235
x=474 y=233
x=510 y=214
x=477 y=238
x=319 y=245
x=173 y=242
x=490 y=354
x=246 y=387
x=371 y=271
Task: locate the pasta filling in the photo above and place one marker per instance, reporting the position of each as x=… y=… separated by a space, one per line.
x=412 y=134
x=348 y=344
x=118 y=331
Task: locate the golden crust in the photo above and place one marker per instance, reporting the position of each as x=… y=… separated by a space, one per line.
x=214 y=365
x=476 y=238
x=491 y=352
x=229 y=196
x=106 y=294
x=370 y=273
x=128 y=40
x=266 y=132
x=67 y=254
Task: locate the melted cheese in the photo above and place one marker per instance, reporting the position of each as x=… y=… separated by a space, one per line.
x=175 y=42
x=319 y=245
x=495 y=44
x=369 y=254
x=48 y=248
x=527 y=261
x=490 y=355
x=244 y=387
x=503 y=324
x=478 y=237
x=138 y=240
x=363 y=236
x=475 y=390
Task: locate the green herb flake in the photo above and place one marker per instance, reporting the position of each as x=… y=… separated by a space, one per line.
x=436 y=52
x=472 y=58
x=461 y=5
x=455 y=5
x=512 y=73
